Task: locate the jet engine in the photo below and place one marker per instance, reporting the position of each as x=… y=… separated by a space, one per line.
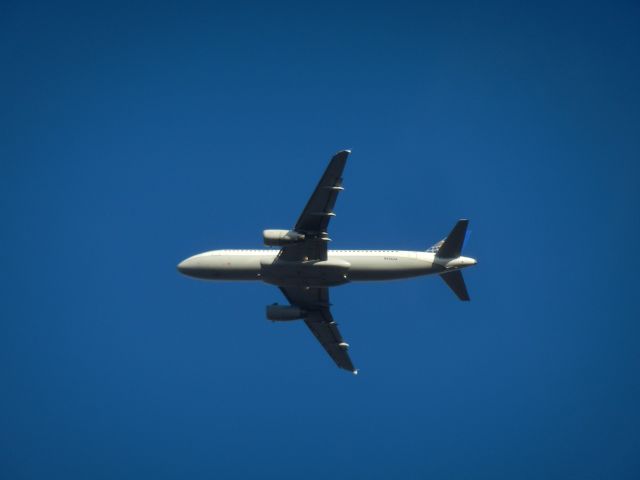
x=283 y=313
x=279 y=238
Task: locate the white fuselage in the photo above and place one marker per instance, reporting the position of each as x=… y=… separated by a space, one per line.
x=341 y=266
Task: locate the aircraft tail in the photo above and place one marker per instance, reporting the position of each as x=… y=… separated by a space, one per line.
x=455 y=281
x=451 y=248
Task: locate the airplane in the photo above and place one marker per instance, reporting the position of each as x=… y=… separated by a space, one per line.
x=304 y=269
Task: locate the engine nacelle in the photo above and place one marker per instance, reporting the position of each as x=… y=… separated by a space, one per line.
x=279 y=238
x=284 y=313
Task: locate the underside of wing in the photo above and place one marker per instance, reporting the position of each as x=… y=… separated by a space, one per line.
x=319 y=209
x=325 y=329
x=315 y=301
x=315 y=217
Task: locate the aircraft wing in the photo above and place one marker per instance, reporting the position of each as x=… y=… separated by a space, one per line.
x=315 y=217
x=320 y=322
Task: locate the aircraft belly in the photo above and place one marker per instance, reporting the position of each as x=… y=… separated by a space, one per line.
x=326 y=273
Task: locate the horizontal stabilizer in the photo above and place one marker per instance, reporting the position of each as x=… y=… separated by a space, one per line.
x=455 y=281
x=452 y=245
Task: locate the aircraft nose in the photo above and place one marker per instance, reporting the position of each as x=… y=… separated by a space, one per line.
x=186 y=266
x=180 y=267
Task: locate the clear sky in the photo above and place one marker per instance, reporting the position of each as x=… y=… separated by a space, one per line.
x=135 y=134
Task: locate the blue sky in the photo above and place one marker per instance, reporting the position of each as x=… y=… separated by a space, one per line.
x=135 y=134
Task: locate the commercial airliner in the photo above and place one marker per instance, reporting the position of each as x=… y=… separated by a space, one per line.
x=304 y=269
